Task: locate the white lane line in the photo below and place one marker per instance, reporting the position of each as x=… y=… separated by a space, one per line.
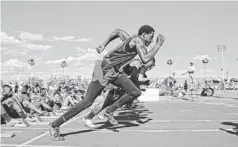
x=193 y=114
x=12 y=131
x=10 y=128
x=42 y=135
x=150 y=131
x=197 y=114
x=152 y=121
x=110 y=130
x=182 y=113
x=13 y=145
x=98 y=121
x=161 y=121
x=219 y=104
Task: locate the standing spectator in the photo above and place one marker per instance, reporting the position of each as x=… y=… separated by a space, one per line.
x=16 y=87
x=185 y=86
x=191 y=73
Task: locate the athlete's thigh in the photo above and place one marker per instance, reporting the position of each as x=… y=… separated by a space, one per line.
x=125 y=83
x=93 y=91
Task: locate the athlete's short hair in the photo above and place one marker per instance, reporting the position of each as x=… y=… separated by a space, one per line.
x=145 y=29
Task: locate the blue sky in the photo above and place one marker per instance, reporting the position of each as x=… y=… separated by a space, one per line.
x=51 y=32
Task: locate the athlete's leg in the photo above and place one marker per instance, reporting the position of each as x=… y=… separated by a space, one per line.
x=96 y=109
x=94 y=89
x=101 y=105
x=131 y=92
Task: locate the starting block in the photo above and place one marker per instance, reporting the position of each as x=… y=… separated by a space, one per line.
x=7 y=135
x=149 y=95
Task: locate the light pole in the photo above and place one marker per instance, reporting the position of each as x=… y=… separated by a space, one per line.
x=222 y=48
x=169 y=62
x=63 y=65
x=227 y=74
x=205 y=61
x=32 y=62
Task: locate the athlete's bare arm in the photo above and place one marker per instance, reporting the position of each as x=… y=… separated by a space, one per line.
x=114 y=35
x=145 y=55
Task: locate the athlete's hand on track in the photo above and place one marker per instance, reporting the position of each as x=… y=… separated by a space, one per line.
x=100 y=48
x=160 y=39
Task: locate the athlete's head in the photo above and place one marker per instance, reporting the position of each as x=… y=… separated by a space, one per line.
x=150 y=64
x=147 y=33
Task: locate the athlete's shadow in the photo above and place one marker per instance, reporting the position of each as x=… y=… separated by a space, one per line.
x=230 y=124
x=106 y=125
x=129 y=118
x=126 y=118
x=78 y=132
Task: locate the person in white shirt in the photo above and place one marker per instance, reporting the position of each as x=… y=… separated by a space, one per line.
x=191 y=72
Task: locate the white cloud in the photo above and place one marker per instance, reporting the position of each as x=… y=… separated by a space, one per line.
x=36 y=47
x=71 y=39
x=83 y=40
x=29 y=36
x=54 y=61
x=9 y=40
x=15 y=63
x=91 y=54
x=69 y=59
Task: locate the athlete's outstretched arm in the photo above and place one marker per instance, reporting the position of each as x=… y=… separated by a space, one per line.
x=145 y=55
x=115 y=34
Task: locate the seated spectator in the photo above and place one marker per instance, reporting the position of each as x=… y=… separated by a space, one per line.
x=42 y=100
x=8 y=99
x=25 y=100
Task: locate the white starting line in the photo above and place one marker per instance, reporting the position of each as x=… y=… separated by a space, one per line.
x=42 y=135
